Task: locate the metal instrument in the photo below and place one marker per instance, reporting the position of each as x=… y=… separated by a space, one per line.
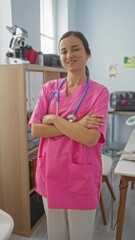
x=17 y=48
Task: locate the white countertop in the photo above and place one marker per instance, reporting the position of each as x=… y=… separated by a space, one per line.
x=127 y=167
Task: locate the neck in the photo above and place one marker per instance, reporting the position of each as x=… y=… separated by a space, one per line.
x=74 y=81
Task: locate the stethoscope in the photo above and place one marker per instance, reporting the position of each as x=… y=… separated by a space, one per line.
x=71 y=117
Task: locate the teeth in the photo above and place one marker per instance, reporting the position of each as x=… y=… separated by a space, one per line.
x=71 y=62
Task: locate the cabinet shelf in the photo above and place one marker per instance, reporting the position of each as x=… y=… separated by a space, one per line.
x=16 y=198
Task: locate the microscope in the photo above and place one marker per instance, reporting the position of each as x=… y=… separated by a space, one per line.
x=17 y=48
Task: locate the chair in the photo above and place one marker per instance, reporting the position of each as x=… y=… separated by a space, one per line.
x=106 y=170
x=6 y=225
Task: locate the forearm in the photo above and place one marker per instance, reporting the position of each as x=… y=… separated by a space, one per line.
x=44 y=130
x=76 y=132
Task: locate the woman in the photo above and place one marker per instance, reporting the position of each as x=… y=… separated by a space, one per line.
x=70 y=118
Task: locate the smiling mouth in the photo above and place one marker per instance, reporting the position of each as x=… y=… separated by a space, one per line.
x=71 y=62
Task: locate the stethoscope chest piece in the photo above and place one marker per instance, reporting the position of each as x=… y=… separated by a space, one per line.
x=71 y=118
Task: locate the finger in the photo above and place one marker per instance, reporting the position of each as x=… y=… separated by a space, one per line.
x=96 y=120
x=92 y=126
x=96 y=115
x=99 y=121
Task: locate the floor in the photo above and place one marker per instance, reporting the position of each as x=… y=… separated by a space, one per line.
x=102 y=232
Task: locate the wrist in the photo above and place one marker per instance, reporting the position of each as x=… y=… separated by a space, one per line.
x=55 y=119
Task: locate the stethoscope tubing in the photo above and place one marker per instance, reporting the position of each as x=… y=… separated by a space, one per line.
x=82 y=97
x=56 y=93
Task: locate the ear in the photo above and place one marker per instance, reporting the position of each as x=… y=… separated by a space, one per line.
x=88 y=56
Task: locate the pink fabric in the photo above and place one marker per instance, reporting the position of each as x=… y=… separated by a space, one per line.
x=69 y=174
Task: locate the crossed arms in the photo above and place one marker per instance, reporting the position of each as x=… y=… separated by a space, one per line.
x=84 y=131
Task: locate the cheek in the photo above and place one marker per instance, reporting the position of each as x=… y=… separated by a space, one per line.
x=62 y=60
x=82 y=61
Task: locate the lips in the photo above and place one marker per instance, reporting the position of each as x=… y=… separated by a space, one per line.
x=71 y=62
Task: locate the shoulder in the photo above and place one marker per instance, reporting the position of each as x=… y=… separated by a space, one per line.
x=95 y=86
x=52 y=84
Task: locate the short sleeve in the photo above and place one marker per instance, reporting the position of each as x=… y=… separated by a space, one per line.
x=40 y=108
x=101 y=107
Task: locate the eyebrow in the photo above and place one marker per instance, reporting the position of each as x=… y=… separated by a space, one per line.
x=73 y=46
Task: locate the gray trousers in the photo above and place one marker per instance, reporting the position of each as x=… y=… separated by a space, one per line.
x=67 y=224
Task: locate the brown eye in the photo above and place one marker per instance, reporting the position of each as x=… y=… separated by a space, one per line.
x=76 y=49
x=63 y=52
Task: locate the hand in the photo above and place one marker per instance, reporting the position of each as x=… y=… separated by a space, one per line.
x=92 y=120
x=48 y=119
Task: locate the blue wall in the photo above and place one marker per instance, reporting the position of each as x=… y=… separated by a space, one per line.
x=26 y=14
x=109 y=27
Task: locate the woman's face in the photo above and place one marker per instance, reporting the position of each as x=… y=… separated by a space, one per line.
x=72 y=54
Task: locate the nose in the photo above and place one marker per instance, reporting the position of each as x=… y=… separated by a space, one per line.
x=69 y=53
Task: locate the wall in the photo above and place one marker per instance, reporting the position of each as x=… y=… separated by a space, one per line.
x=5 y=20
x=72 y=14
x=109 y=27
x=62 y=19
x=26 y=14
x=66 y=17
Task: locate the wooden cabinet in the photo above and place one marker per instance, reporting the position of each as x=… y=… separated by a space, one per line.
x=15 y=195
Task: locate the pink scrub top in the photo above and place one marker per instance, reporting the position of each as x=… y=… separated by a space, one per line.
x=69 y=174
